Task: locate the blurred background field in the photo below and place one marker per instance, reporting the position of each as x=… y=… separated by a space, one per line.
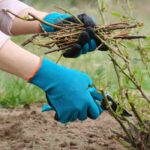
x=15 y=92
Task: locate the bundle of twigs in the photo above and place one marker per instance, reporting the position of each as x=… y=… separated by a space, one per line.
x=68 y=33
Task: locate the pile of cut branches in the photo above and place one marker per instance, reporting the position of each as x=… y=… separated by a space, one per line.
x=70 y=33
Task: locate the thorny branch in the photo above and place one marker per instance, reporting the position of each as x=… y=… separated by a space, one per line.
x=132 y=78
x=118 y=120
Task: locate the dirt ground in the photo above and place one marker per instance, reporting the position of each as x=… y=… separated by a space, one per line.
x=29 y=129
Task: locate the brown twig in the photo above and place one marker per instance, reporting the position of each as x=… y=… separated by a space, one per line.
x=44 y=22
x=129 y=37
x=27 y=18
x=68 y=12
x=58 y=49
x=29 y=40
x=136 y=114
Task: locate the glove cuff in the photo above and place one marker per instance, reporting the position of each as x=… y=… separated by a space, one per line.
x=47 y=73
x=35 y=70
x=53 y=18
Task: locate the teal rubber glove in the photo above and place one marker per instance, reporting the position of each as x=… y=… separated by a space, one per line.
x=96 y=96
x=68 y=92
x=53 y=18
x=87 y=41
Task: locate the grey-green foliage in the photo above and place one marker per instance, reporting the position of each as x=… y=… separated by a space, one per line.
x=15 y=91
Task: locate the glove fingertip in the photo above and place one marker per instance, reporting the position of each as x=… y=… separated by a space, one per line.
x=61 y=118
x=87 y=20
x=46 y=108
x=73 y=52
x=100 y=108
x=96 y=95
x=93 y=111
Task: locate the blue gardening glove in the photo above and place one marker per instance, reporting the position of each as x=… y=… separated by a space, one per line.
x=53 y=18
x=87 y=41
x=68 y=92
x=99 y=98
x=60 y=19
x=95 y=94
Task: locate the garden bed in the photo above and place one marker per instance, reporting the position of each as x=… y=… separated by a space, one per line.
x=29 y=129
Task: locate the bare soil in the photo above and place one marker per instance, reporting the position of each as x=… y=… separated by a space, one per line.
x=29 y=129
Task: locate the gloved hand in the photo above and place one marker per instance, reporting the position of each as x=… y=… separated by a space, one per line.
x=87 y=41
x=53 y=18
x=69 y=92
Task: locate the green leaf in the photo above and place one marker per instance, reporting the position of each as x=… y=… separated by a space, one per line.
x=116 y=14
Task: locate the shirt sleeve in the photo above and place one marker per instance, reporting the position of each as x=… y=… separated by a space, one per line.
x=3 y=39
x=6 y=19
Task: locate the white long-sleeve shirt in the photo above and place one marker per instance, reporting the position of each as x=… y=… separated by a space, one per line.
x=6 y=19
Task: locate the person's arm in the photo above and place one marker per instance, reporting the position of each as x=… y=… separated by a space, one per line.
x=68 y=91
x=11 y=25
x=17 y=61
x=20 y=27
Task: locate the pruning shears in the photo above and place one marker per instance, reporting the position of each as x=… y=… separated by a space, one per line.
x=114 y=105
